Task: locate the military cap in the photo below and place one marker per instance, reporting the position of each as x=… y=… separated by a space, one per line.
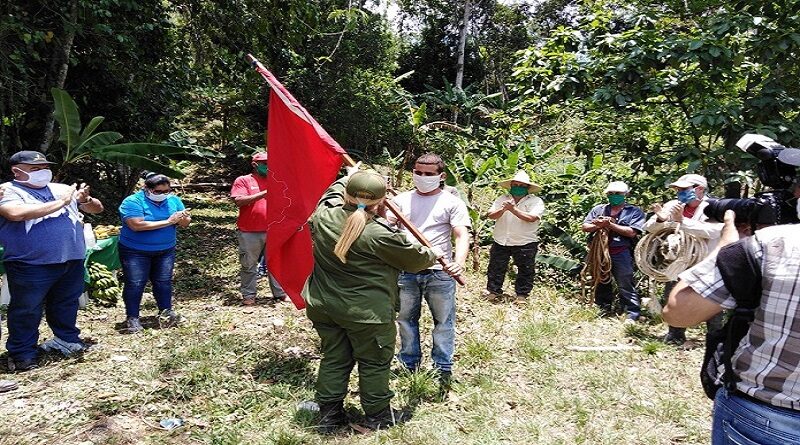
x=367 y=184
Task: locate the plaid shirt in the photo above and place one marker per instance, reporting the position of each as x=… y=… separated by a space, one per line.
x=768 y=358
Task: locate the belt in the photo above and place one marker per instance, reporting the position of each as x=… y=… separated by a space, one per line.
x=745 y=396
x=427 y=271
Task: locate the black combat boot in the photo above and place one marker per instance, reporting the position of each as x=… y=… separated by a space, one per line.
x=331 y=417
x=386 y=418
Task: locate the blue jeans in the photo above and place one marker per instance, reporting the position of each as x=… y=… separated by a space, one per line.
x=139 y=266
x=622 y=271
x=439 y=290
x=52 y=287
x=741 y=421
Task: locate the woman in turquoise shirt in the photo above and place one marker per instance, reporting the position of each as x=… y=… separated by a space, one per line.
x=150 y=218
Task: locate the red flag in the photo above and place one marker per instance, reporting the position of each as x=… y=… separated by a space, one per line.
x=303 y=162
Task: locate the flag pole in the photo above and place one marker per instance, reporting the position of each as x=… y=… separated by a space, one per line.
x=389 y=204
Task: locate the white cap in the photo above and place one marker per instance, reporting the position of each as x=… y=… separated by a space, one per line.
x=690 y=180
x=617 y=187
x=790 y=156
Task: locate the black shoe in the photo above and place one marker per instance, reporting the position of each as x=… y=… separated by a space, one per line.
x=22 y=365
x=445 y=378
x=386 y=418
x=673 y=338
x=331 y=417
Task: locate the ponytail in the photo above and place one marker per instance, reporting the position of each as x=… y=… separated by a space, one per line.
x=353 y=226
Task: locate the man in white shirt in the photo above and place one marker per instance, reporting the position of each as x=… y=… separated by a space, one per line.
x=686 y=210
x=518 y=214
x=440 y=216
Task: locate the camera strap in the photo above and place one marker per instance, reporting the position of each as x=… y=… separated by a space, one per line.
x=741 y=272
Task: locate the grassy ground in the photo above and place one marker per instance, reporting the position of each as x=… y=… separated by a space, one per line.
x=236 y=374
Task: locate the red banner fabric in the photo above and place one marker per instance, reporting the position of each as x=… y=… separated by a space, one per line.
x=303 y=162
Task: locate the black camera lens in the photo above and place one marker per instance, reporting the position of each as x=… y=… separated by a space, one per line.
x=743 y=208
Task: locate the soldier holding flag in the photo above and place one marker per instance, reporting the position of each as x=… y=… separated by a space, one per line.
x=353 y=297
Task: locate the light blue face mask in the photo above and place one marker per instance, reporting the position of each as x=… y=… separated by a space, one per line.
x=686 y=196
x=157 y=198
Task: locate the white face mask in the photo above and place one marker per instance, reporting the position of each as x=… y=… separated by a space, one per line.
x=426 y=184
x=157 y=198
x=38 y=178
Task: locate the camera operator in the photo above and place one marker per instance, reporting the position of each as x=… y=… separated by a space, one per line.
x=764 y=407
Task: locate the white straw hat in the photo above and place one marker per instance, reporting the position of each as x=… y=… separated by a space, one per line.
x=522 y=177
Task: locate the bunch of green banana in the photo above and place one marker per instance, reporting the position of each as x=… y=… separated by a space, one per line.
x=103 y=286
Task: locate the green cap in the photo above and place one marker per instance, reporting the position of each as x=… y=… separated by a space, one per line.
x=367 y=184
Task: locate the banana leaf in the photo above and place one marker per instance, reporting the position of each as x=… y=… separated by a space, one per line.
x=135 y=160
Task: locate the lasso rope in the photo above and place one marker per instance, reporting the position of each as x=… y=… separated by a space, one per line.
x=597 y=269
x=663 y=254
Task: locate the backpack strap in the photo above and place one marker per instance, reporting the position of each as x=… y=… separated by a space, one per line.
x=741 y=272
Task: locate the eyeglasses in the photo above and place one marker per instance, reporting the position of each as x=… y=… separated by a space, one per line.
x=161 y=192
x=417 y=172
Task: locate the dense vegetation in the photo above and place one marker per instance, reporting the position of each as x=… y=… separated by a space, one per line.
x=577 y=93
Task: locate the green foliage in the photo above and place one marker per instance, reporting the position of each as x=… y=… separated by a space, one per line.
x=80 y=145
x=671 y=86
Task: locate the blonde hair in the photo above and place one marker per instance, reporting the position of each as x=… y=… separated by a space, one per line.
x=354 y=225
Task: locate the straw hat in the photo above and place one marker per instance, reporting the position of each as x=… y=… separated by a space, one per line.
x=522 y=177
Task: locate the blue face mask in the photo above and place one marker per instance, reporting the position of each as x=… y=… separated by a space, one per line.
x=686 y=196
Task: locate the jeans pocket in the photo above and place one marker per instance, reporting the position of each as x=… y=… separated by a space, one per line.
x=441 y=275
x=734 y=437
x=756 y=435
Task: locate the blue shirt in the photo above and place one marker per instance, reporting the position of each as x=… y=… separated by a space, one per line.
x=630 y=216
x=51 y=239
x=139 y=206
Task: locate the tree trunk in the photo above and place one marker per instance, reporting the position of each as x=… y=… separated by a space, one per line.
x=462 y=44
x=59 y=66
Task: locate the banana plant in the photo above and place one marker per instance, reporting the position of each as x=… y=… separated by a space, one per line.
x=85 y=143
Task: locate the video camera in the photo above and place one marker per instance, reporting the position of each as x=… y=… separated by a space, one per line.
x=777 y=169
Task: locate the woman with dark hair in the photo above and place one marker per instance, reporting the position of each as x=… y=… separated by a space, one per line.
x=147 y=247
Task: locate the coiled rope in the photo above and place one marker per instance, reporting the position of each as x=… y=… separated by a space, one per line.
x=664 y=253
x=597 y=269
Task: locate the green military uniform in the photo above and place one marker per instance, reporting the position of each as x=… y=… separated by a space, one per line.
x=352 y=305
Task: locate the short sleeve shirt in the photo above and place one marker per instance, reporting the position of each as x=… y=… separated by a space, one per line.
x=51 y=239
x=435 y=216
x=630 y=216
x=767 y=359
x=252 y=217
x=139 y=206
x=509 y=230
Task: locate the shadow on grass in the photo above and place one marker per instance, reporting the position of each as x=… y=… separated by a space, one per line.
x=275 y=367
x=149 y=322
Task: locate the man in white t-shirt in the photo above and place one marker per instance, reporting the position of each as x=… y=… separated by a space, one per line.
x=440 y=216
x=518 y=214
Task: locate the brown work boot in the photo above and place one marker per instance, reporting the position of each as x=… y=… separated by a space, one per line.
x=491 y=296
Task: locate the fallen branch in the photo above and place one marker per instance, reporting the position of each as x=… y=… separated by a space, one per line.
x=201 y=186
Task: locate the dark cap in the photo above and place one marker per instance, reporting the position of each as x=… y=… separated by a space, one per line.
x=28 y=157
